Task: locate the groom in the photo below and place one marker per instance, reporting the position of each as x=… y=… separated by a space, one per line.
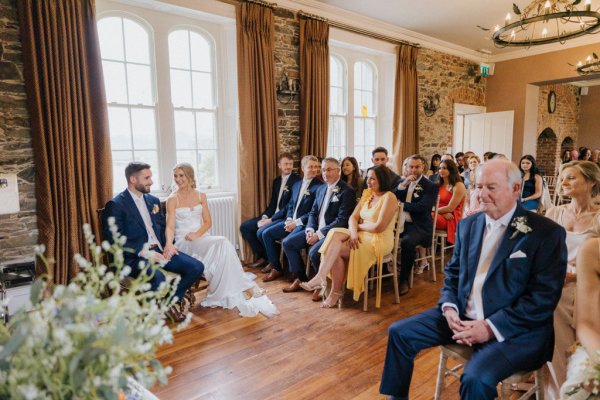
x=501 y=287
x=138 y=217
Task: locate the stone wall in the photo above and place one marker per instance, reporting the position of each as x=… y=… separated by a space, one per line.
x=564 y=122
x=18 y=232
x=447 y=76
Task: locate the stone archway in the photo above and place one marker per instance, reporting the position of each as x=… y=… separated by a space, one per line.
x=567 y=144
x=547 y=152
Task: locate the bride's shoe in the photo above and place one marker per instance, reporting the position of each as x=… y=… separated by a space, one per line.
x=420 y=268
x=338 y=302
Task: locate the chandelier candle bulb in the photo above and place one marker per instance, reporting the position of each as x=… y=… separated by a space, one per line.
x=544 y=32
x=588 y=5
x=507 y=19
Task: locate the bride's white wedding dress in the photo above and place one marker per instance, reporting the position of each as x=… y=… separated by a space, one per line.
x=227 y=281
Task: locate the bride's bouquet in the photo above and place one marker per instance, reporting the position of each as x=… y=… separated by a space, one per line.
x=90 y=339
x=583 y=376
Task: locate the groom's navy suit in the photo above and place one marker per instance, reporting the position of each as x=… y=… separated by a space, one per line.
x=131 y=224
x=339 y=209
x=520 y=292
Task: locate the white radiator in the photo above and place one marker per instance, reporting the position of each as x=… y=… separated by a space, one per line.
x=224 y=222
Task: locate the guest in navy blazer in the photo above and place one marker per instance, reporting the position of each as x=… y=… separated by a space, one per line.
x=333 y=206
x=294 y=215
x=280 y=197
x=501 y=288
x=138 y=216
x=418 y=195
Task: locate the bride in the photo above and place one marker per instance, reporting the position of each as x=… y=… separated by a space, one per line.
x=188 y=222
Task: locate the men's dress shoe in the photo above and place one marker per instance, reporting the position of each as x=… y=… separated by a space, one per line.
x=292 y=277
x=258 y=263
x=403 y=288
x=267 y=269
x=175 y=315
x=274 y=274
x=316 y=296
x=294 y=287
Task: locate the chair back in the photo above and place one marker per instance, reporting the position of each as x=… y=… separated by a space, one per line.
x=435 y=214
x=400 y=219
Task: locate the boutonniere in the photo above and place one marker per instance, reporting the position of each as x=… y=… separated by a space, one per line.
x=155 y=209
x=520 y=225
x=307 y=192
x=417 y=191
x=335 y=189
x=285 y=189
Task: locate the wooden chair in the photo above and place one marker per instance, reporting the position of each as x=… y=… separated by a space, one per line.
x=551 y=182
x=376 y=274
x=430 y=251
x=462 y=354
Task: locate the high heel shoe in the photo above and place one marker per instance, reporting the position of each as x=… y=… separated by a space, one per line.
x=310 y=288
x=420 y=268
x=338 y=303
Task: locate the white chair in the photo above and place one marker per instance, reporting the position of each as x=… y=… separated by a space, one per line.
x=462 y=354
x=429 y=251
x=376 y=274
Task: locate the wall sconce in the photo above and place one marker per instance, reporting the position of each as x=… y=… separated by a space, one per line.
x=287 y=89
x=431 y=105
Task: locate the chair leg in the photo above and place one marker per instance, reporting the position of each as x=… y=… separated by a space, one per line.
x=441 y=376
x=433 y=265
x=307 y=265
x=539 y=391
x=366 y=293
x=505 y=391
x=443 y=250
x=396 y=291
x=379 y=284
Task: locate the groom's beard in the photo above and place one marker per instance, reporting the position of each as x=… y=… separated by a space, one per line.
x=141 y=188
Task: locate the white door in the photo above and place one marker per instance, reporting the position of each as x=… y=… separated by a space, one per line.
x=489 y=132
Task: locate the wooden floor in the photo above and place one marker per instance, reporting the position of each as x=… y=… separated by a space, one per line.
x=304 y=353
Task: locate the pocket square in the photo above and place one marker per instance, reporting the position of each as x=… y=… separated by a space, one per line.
x=518 y=254
x=334 y=199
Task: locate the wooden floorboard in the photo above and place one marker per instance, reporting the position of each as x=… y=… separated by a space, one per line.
x=304 y=353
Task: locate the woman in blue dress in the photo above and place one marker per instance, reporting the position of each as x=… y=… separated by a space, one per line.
x=531 y=184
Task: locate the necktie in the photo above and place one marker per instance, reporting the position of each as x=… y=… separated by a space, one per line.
x=324 y=207
x=300 y=195
x=491 y=242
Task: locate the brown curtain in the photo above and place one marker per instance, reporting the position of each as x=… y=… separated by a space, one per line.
x=406 y=111
x=314 y=78
x=259 y=136
x=69 y=124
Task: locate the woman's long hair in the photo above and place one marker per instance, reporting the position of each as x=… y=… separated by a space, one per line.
x=534 y=169
x=453 y=174
x=354 y=178
x=188 y=171
x=435 y=168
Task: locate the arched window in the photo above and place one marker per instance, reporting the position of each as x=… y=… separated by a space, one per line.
x=127 y=62
x=338 y=87
x=365 y=112
x=191 y=60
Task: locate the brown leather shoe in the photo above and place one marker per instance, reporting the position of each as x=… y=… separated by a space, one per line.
x=175 y=315
x=258 y=263
x=274 y=274
x=316 y=296
x=292 y=277
x=294 y=287
x=403 y=288
x=267 y=269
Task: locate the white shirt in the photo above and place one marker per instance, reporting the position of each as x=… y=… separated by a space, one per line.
x=145 y=214
x=492 y=237
x=303 y=188
x=284 y=179
x=409 y=195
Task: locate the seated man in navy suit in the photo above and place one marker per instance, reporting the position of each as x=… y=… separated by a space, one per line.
x=138 y=217
x=295 y=214
x=280 y=197
x=418 y=195
x=379 y=156
x=501 y=288
x=333 y=206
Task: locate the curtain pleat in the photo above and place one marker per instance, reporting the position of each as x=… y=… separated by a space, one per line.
x=406 y=118
x=259 y=135
x=314 y=78
x=69 y=124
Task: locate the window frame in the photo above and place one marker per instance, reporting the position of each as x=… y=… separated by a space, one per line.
x=344 y=114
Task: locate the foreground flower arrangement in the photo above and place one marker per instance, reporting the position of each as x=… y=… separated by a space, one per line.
x=88 y=339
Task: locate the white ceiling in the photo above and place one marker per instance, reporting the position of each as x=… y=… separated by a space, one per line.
x=453 y=21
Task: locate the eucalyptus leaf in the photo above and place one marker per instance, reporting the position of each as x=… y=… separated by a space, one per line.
x=36 y=291
x=13 y=343
x=108 y=393
x=516 y=9
x=595 y=56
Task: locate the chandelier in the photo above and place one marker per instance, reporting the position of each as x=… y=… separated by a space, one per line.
x=546 y=21
x=591 y=65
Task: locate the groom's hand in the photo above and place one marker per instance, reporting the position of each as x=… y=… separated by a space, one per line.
x=170 y=251
x=476 y=332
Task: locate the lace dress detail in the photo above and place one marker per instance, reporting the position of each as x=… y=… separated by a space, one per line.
x=226 y=278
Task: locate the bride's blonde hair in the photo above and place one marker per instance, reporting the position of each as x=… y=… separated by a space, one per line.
x=188 y=171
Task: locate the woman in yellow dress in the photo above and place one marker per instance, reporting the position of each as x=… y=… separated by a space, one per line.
x=370 y=236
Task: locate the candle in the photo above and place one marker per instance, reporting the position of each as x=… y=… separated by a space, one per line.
x=588 y=5
x=507 y=19
x=544 y=32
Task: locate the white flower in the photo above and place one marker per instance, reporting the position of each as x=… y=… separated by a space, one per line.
x=335 y=189
x=29 y=392
x=307 y=192
x=105 y=245
x=520 y=225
